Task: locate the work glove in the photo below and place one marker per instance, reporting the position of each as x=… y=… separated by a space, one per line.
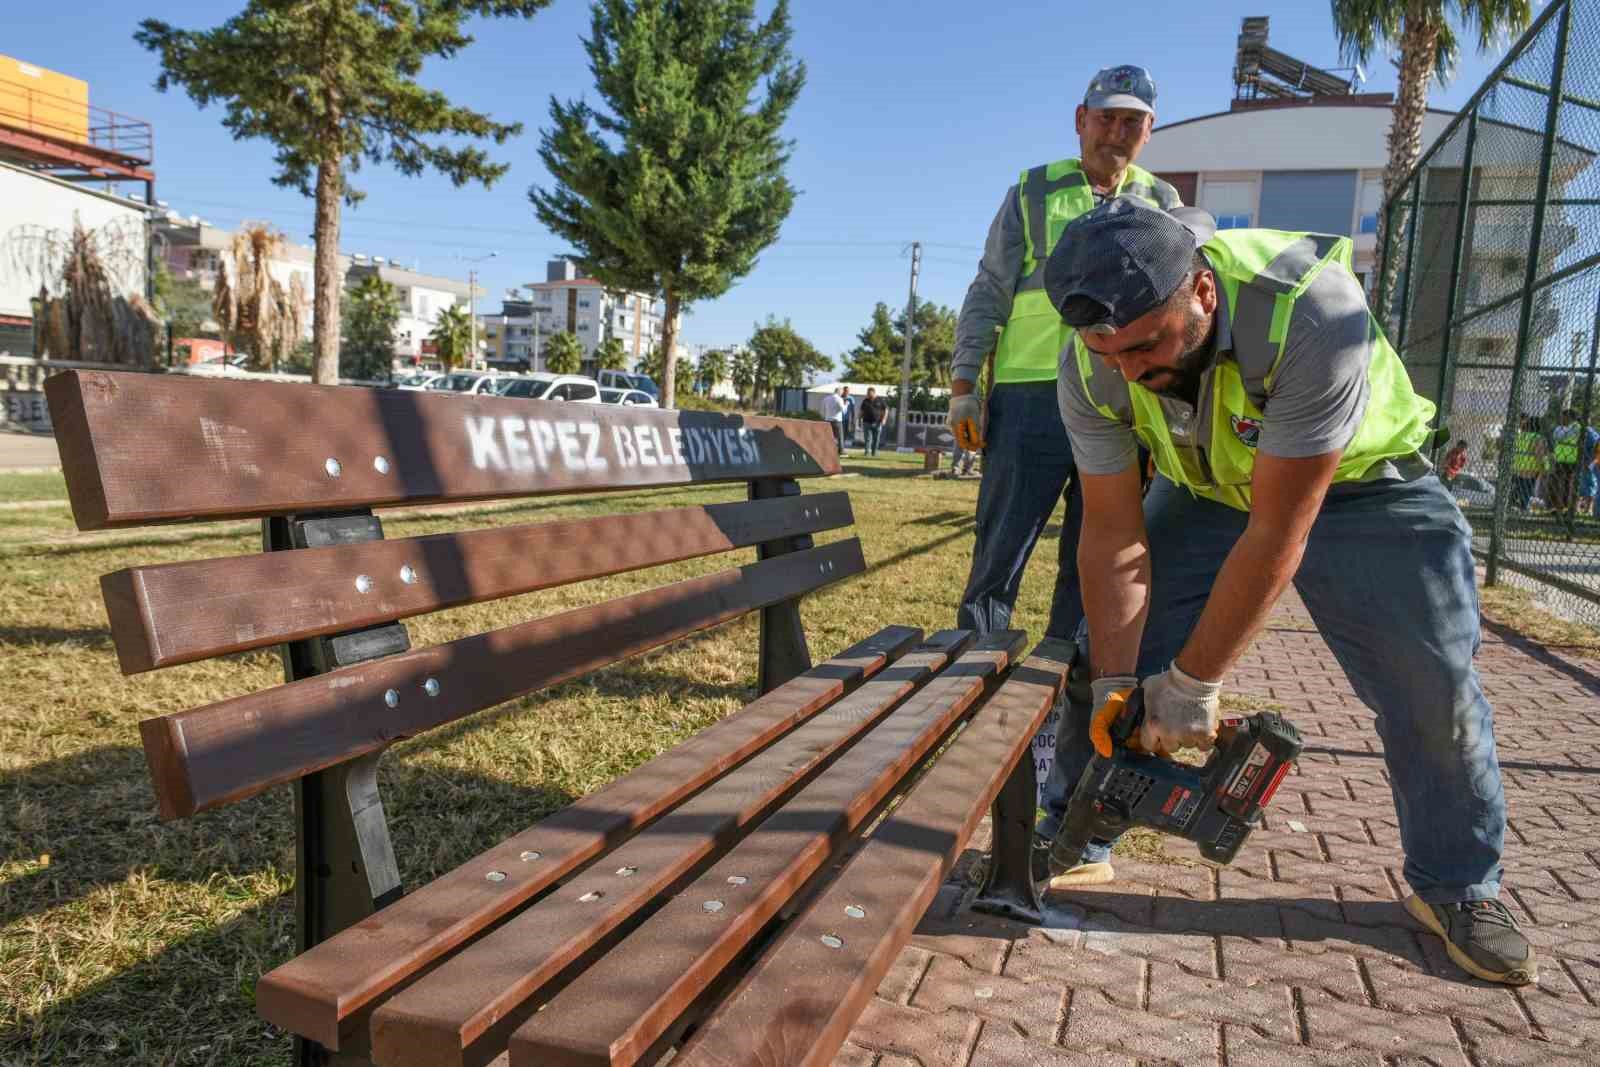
x=1179 y=712
x=1110 y=698
x=965 y=420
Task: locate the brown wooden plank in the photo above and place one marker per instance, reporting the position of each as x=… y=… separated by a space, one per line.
x=148 y=448
x=616 y=1010
x=317 y=991
x=460 y=1011
x=236 y=748
x=798 y=1003
x=179 y=612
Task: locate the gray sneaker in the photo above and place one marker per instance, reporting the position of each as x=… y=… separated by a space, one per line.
x=1482 y=937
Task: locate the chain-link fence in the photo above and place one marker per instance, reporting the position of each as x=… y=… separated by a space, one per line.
x=1492 y=269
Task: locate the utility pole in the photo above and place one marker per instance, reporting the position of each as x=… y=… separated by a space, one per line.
x=472 y=318
x=905 y=360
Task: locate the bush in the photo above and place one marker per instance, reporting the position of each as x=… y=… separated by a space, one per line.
x=688 y=401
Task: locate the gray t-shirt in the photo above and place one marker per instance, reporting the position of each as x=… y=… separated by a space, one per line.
x=1313 y=405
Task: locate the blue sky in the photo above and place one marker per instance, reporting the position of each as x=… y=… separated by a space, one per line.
x=915 y=117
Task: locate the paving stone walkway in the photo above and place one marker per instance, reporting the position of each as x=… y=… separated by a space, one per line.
x=1300 y=952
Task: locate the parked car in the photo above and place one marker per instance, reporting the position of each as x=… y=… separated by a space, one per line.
x=621 y=379
x=465 y=382
x=628 y=397
x=545 y=386
x=417 y=380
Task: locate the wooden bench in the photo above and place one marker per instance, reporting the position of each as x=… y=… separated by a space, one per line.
x=701 y=903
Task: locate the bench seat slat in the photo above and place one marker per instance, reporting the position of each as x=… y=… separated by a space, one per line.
x=267 y=448
x=180 y=612
x=314 y=993
x=613 y=1013
x=480 y=988
x=797 y=1005
x=223 y=752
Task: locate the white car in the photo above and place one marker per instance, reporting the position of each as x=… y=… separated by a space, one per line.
x=545 y=386
x=418 y=381
x=628 y=397
x=621 y=379
x=465 y=382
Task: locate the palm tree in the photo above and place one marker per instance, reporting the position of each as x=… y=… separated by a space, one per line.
x=563 y=354
x=258 y=315
x=611 y=355
x=452 y=333
x=1425 y=33
x=713 y=368
x=743 y=372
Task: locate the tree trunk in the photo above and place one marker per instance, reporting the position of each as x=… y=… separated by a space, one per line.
x=326 y=278
x=1418 y=41
x=669 y=344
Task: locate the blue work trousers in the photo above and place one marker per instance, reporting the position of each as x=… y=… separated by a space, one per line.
x=1388 y=579
x=1027 y=467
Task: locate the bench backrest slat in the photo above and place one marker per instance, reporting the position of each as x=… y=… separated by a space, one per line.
x=223 y=752
x=318 y=990
x=179 y=612
x=268 y=448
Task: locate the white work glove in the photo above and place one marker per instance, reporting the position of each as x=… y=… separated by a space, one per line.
x=965 y=420
x=1179 y=712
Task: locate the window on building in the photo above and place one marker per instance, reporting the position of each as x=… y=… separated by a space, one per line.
x=583 y=326
x=1231 y=203
x=424 y=306
x=1371 y=204
x=584 y=302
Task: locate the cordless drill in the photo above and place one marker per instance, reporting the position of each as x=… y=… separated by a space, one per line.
x=1215 y=806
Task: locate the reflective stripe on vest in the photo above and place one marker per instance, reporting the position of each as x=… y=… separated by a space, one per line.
x=1261 y=273
x=1050 y=197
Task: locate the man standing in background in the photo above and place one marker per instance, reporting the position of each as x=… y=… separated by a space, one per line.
x=1027 y=459
x=833 y=415
x=873 y=410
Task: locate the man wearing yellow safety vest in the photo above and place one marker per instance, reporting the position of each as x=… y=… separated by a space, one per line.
x=1027 y=459
x=1530 y=458
x=1288 y=443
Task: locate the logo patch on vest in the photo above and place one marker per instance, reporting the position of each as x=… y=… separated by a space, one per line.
x=1247 y=430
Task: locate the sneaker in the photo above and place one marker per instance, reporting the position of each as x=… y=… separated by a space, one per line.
x=1084 y=874
x=1482 y=937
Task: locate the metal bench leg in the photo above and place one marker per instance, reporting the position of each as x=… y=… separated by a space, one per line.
x=1009 y=889
x=345 y=867
x=784 y=654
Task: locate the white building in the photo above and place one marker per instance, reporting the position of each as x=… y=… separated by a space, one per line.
x=1287 y=165
x=193 y=250
x=422 y=298
x=34 y=204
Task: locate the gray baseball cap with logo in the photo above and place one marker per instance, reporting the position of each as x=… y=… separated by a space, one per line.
x=1122 y=260
x=1125 y=86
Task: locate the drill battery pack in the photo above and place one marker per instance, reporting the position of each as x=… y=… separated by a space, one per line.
x=1215 y=805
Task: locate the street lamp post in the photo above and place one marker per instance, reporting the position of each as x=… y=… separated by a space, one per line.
x=472 y=306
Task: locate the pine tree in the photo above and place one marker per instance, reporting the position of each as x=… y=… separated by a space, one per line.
x=679 y=185
x=332 y=83
x=371 y=312
x=876 y=357
x=563 y=353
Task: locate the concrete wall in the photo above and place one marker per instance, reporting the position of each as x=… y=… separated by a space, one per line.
x=30 y=200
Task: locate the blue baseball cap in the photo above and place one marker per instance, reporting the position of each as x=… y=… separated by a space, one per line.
x=1122 y=260
x=1125 y=86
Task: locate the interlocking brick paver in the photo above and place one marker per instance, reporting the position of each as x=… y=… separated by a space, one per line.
x=1301 y=951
